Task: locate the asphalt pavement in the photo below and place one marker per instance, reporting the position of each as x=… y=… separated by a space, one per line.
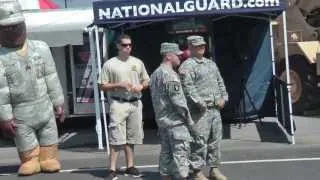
x=253 y=151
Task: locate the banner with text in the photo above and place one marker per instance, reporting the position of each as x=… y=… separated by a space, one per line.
x=113 y=11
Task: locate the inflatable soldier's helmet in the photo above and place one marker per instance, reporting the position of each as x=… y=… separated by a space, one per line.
x=12 y=24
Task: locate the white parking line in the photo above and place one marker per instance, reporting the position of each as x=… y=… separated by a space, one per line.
x=271 y=160
x=82 y=170
x=225 y=162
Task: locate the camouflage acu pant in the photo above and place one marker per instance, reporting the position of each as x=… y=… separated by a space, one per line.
x=205 y=150
x=36 y=125
x=175 y=151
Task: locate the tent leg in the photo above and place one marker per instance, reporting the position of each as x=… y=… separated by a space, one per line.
x=101 y=92
x=105 y=44
x=95 y=88
x=106 y=55
x=284 y=21
x=72 y=69
x=273 y=60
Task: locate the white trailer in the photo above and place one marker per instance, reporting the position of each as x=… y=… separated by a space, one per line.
x=64 y=30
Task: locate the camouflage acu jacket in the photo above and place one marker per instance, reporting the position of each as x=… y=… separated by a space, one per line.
x=28 y=80
x=201 y=82
x=168 y=100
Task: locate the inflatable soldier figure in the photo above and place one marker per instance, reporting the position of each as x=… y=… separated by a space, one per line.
x=30 y=94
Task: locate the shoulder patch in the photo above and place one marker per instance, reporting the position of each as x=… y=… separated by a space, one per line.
x=176 y=87
x=173 y=86
x=134 y=68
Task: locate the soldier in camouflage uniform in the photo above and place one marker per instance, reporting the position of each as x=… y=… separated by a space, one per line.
x=30 y=91
x=172 y=115
x=206 y=95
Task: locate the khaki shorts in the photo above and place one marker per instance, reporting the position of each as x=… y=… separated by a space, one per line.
x=125 y=125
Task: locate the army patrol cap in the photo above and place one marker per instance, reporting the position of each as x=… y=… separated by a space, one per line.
x=10 y=13
x=196 y=40
x=170 y=48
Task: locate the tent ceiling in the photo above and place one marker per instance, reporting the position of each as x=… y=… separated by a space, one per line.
x=58 y=27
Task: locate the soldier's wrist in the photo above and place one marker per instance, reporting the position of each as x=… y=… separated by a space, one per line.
x=58 y=101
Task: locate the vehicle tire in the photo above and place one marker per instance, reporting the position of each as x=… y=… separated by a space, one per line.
x=301 y=89
x=313 y=17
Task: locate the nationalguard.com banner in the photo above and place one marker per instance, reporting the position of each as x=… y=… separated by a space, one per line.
x=109 y=11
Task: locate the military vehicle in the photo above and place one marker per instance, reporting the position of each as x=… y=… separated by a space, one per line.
x=303 y=32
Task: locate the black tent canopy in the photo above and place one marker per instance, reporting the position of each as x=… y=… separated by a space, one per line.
x=111 y=12
x=114 y=14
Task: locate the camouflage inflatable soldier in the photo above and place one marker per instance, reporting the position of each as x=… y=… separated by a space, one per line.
x=172 y=115
x=30 y=94
x=206 y=95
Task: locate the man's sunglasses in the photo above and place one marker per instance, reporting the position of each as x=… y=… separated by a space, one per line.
x=126 y=45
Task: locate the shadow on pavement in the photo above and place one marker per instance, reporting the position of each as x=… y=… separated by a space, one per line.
x=147 y=175
x=266 y=131
x=88 y=138
x=271 y=132
x=226 y=131
x=94 y=173
x=8 y=169
x=151 y=136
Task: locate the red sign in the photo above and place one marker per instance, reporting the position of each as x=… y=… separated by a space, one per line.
x=47 y=4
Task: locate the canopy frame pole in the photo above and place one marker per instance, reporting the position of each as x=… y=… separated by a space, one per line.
x=95 y=89
x=105 y=52
x=284 y=21
x=101 y=92
x=273 y=60
x=73 y=75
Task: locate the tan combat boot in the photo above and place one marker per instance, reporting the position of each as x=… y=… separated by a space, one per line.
x=198 y=175
x=215 y=174
x=29 y=162
x=49 y=159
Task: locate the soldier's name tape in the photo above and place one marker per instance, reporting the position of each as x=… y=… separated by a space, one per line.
x=156 y=166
